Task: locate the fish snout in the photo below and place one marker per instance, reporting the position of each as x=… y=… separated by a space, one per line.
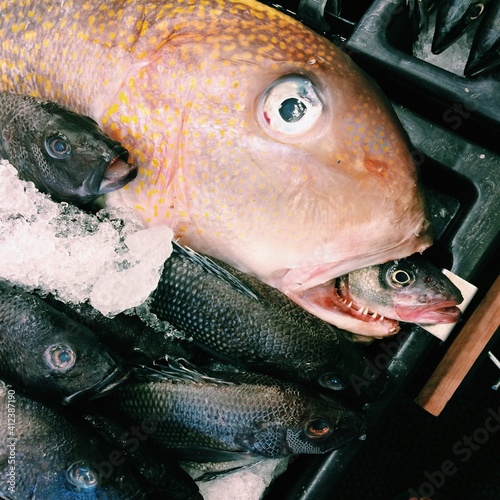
x=117 y=173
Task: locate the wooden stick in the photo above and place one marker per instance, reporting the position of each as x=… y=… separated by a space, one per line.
x=462 y=353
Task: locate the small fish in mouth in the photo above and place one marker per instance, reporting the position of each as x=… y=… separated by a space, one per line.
x=63 y=153
x=371 y=301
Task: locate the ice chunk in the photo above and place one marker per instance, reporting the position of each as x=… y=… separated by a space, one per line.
x=108 y=259
x=248 y=483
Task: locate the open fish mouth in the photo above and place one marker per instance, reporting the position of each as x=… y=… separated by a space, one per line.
x=114 y=379
x=117 y=174
x=333 y=304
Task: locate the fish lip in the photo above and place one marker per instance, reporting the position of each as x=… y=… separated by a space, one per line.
x=110 y=181
x=110 y=175
x=433 y=313
x=115 y=378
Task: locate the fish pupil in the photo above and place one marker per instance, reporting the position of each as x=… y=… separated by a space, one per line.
x=292 y=110
x=401 y=277
x=332 y=381
x=60 y=357
x=57 y=147
x=318 y=428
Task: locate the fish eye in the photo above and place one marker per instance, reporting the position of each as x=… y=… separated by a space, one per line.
x=81 y=475
x=332 y=381
x=290 y=106
x=60 y=357
x=58 y=147
x=476 y=10
x=398 y=277
x=318 y=427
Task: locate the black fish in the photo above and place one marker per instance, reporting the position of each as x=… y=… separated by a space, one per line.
x=49 y=355
x=485 y=51
x=64 y=154
x=453 y=18
x=242 y=320
x=47 y=456
x=222 y=415
x=135 y=342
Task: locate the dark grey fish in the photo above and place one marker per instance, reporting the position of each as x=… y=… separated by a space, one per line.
x=485 y=50
x=135 y=342
x=44 y=455
x=158 y=468
x=49 y=355
x=239 y=319
x=64 y=154
x=453 y=18
x=221 y=414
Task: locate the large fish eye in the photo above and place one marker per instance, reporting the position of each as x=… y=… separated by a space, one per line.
x=81 y=475
x=318 y=427
x=332 y=381
x=400 y=277
x=58 y=147
x=60 y=357
x=290 y=106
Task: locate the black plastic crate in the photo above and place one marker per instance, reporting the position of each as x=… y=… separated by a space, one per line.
x=461 y=176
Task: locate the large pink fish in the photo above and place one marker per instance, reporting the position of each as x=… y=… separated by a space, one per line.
x=258 y=141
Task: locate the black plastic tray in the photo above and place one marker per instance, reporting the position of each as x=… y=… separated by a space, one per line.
x=463 y=188
x=461 y=177
x=381 y=42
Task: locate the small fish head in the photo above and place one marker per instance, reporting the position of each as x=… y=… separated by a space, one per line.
x=73 y=160
x=73 y=365
x=326 y=426
x=83 y=480
x=453 y=18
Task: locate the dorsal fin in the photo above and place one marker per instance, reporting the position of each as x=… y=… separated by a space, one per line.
x=215 y=269
x=177 y=370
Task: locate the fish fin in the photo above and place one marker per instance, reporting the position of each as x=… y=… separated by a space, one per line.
x=242 y=464
x=177 y=370
x=215 y=269
x=204 y=454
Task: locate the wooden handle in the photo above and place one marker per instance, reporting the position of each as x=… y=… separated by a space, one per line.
x=462 y=353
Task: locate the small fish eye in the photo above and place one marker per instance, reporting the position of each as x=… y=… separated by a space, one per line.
x=400 y=278
x=290 y=106
x=476 y=10
x=60 y=357
x=318 y=428
x=58 y=147
x=81 y=475
x=332 y=381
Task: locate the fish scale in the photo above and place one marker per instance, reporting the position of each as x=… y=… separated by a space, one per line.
x=245 y=413
x=182 y=86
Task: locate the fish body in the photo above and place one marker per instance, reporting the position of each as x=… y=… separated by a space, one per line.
x=371 y=301
x=239 y=319
x=485 y=50
x=49 y=355
x=64 y=154
x=257 y=141
x=453 y=19
x=54 y=457
x=235 y=413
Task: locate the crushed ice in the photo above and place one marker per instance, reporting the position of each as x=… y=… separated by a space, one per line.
x=108 y=259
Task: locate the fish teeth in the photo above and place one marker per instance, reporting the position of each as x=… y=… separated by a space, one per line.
x=350 y=304
x=374 y=315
